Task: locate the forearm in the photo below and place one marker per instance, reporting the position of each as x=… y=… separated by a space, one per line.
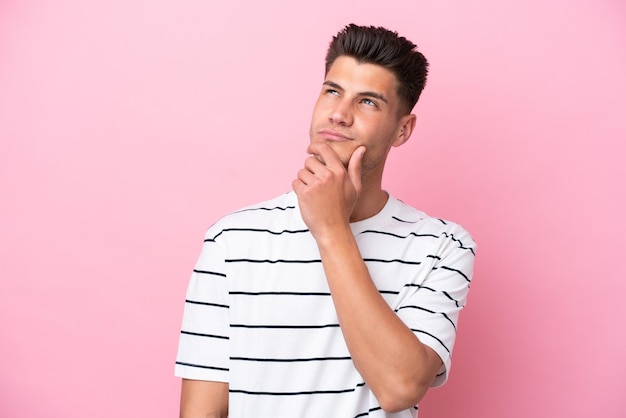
x=203 y=399
x=395 y=364
x=397 y=367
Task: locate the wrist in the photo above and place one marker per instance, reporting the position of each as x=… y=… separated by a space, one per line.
x=332 y=236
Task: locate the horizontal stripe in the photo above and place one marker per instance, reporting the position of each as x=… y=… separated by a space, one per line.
x=293 y=360
x=414 y=234
x=197 y=334
x=180 y=363
x=455 y=270
x=241 y=293
x=265 y=209
x=431 y=335
x=215 y=273
x=453 y=238
x=268 y=231
x=364 y=414
x=370 y=260
x=404 y=221
x=394 y=260
x=299 y=393
x=195 y=302
x=419 y=286
x=318 y=294
x=446 y=294
x=397 y=260
x=429 y=311
x=285 y=326
x=249 y=260
x=238 y=293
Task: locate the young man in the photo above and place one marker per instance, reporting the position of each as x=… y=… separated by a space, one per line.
x=336 y=299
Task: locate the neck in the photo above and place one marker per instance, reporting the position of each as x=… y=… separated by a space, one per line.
x=369 y=203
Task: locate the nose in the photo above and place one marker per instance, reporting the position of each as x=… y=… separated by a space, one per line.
x=341 y=113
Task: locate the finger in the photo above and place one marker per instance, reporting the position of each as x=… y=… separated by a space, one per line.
x=324 y=153
x=313 y=164
x=306 y=177
x=355 y=167
x=297 y=186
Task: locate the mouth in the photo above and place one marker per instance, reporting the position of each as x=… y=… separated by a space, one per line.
x=332 y=135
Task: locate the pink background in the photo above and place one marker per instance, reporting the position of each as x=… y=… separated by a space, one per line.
x=128 y=127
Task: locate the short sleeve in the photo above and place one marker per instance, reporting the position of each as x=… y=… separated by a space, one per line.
x=431 y=308
x=203 y=345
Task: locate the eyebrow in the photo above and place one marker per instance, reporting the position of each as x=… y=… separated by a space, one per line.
x=363 y=93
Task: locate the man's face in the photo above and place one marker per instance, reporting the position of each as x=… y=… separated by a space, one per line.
x=359 y=105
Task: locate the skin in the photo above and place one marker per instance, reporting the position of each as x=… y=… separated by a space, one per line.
x=358 y=107
x=356 y=121
x=202 y=399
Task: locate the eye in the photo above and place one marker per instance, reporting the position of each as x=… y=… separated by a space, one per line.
x=332 y=91
x=370 y=102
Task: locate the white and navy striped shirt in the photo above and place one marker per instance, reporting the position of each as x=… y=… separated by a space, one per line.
x=259 y=314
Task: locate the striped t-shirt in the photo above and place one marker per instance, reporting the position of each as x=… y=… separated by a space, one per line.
x=259 y=314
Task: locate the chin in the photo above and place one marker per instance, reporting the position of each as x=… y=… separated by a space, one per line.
x=343 y=149
x=344 y=152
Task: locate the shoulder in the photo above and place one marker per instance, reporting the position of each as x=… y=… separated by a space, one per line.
x=414 y=221
x=278 y=210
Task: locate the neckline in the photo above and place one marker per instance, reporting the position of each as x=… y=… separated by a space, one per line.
x=373 y=222
x=376 y=220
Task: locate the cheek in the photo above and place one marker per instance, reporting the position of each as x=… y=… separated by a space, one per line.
x=320 y=108
x=376 y=153
x=371 y=159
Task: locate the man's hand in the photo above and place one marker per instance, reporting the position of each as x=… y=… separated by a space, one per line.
x=397 y=367
x=327 y=191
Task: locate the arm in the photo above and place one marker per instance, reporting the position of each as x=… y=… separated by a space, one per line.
x=397 y=367
x=203 y=399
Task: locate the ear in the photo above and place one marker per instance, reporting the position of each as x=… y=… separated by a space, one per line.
x=405 y=128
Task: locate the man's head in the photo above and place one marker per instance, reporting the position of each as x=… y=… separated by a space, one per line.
x=372 y=82
x=380 y=46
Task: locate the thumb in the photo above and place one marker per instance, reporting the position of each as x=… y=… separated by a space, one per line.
x=354 y=167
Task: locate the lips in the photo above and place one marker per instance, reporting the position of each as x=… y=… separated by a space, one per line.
x=332 y=135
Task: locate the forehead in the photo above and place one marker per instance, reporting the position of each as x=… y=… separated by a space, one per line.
x=355 y=77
